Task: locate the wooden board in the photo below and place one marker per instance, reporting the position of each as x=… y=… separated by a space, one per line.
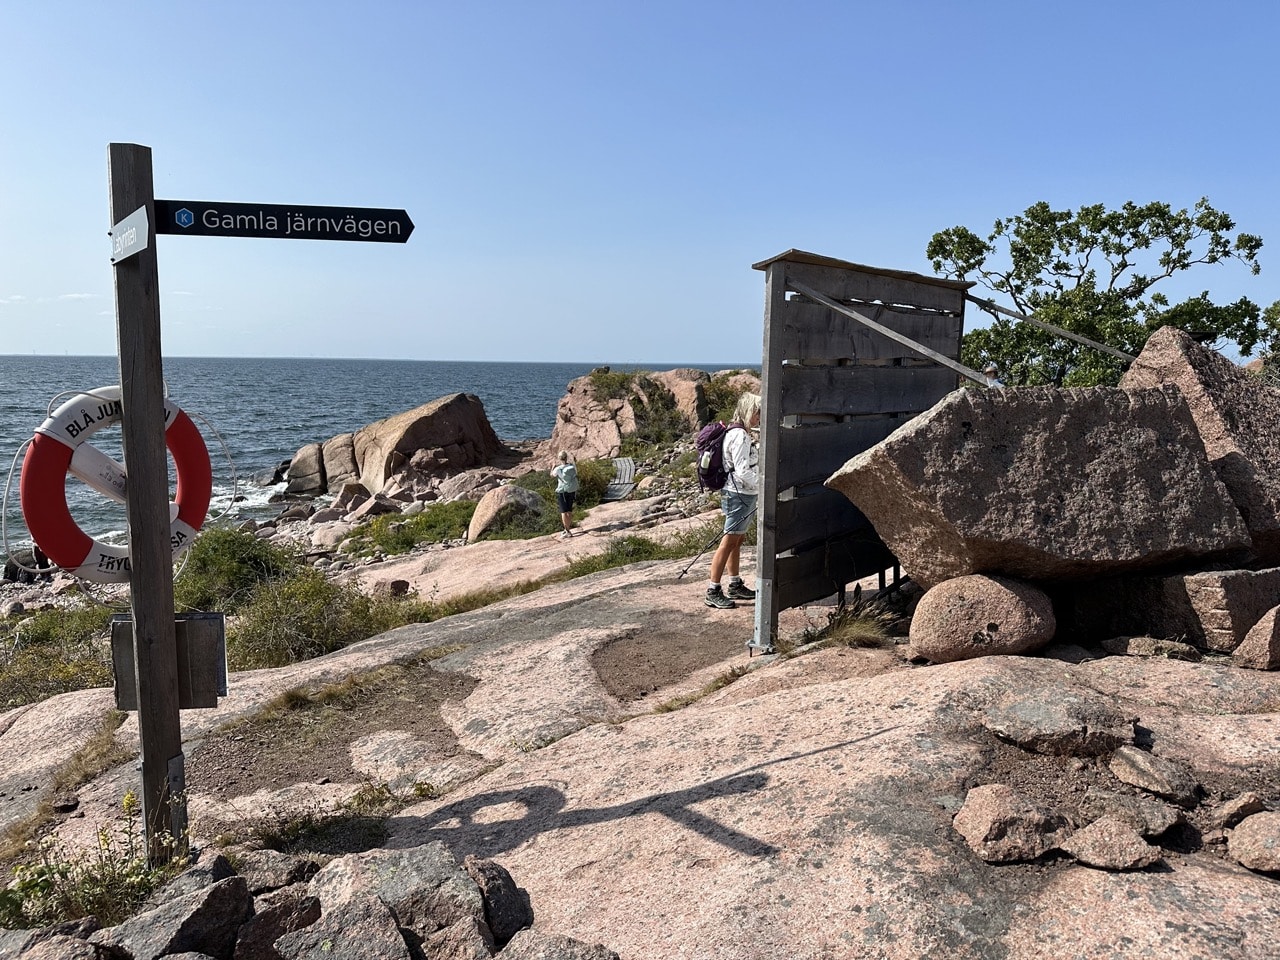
x=821 y=572
x=856 y=285
x=823 y=515
x=811 y=453
x=811 y=331
x=842 y=390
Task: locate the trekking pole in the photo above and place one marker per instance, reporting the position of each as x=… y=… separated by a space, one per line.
x=718 y=538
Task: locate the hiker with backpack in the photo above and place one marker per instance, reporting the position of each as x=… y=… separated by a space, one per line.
x=737 y=472
x=566 y=475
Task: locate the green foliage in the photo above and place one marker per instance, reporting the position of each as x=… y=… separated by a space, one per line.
x=53 y=651
x=722 y=395
x=393 y=534
x=607 y=385
x=224 y=566
x=306 y=615
x=1093 y=272
x=109 y=884
x=658 y=420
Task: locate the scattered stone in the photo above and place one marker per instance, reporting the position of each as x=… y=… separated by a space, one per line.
x=266 y=870
x=1261 y=647
x=978 y=616
x=1255 y=843
x=1060 y=724
x=1233 y=811
x=1147 y=816
x=278 y=913
x=1000 y=826
x=1112 y=845
x=506 y=906
x=1151 y=647
x=1164 y=778
x=206 y=921
x=359 y=927
x=535 y=945
x=1212 y=609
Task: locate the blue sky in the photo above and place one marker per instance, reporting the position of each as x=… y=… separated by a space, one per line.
x=591 y=181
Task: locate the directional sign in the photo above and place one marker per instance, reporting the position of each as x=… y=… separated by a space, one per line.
x=129 y=236
x=281 y=221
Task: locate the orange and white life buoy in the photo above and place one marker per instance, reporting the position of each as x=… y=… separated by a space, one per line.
x=59 y=448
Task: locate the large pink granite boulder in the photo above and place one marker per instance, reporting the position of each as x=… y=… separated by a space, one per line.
x=1238 y=416
x=1045 y=484
x=455 y=425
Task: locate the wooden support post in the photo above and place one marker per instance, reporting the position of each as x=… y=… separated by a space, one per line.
x=766 y=625
x=155 y=657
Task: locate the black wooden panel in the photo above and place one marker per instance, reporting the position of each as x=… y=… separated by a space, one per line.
x=854 y=285
x=811 y=331
x=857 y=389
x=822 y=571
x=812 y=452
x=823 y=515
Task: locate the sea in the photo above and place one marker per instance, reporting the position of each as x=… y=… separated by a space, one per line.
x=255 y=413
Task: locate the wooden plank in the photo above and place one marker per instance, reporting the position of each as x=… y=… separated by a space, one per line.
x=857 y=285
x=130 y=185
x=821 y=572
x=813 y=331
x=823 y=515
x=767 y=609
x=811 y=453
x=858 y=389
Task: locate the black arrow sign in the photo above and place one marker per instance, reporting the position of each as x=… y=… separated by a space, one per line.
x=280 y=221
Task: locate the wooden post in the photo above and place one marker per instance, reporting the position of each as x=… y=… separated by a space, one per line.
x=155 y=657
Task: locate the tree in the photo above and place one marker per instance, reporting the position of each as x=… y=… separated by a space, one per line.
x=1093 y=272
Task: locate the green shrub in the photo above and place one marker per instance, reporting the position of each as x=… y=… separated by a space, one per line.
x=607 y=385
x=393 y=534
x=722 y=396
x=658 y=419
x=224 y=566
x=306 y=615
x=52 y=652
x=62 y=885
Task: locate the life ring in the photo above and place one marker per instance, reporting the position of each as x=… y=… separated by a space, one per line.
x=58 y=447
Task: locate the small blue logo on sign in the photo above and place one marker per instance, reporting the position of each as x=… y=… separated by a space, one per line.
x=184 y=217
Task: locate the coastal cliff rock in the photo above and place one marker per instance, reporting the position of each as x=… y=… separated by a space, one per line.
x=599 y=411
x=440 y=438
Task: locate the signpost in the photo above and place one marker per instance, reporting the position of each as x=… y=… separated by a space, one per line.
x=134 y=210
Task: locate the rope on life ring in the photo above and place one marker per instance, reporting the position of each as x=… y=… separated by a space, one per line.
x=59 y=448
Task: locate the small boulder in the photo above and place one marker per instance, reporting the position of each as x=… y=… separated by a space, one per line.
x=1001 y=826
x=981 y=616
x=501 y=505
x=1111 y=845
x=1255 y=843
x=1164 y=778
x=1261 y=647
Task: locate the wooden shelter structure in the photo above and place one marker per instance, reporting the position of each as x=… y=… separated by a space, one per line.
x=851 y=353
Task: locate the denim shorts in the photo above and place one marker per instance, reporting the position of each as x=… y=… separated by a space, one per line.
x=738 y=509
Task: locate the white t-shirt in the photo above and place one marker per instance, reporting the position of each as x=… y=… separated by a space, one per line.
x=742 y=460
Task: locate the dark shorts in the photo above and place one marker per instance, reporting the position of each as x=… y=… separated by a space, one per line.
x=565 y=500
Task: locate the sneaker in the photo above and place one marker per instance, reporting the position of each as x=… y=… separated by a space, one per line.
x=739 y=591
x=715 y=598
x=565 y=535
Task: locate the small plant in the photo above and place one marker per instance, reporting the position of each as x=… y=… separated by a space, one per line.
x=607 y=385
x=223 y=567
x=860 y=623
x=392 y=534
x=109 y=884
x=719 y=683
x=307 y=615
x=52 y=652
